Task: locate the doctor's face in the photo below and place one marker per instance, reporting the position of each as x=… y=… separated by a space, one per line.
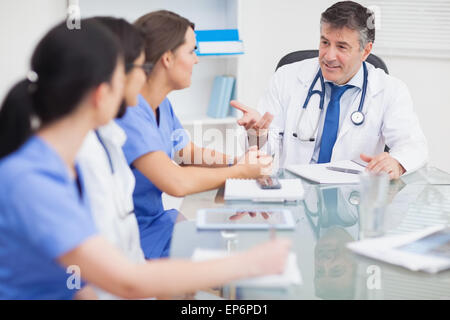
x=340 y=55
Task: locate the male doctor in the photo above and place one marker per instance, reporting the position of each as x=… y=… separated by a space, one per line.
x=347 y=34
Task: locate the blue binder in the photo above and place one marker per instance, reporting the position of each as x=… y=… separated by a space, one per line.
x=219 y=42
x=221 y=94
x=225 y=103
x=217 y=95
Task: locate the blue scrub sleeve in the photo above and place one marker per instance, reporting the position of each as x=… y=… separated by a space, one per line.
x=51 y=215
x=142 y=137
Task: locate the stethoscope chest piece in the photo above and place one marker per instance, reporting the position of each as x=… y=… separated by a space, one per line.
x=357 y=118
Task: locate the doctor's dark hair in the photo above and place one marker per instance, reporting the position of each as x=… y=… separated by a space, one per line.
x=163 y=31
x=68 y=64
x=353 y=16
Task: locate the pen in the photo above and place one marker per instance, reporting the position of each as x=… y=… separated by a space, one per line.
x=353 y=171
x=273 y=233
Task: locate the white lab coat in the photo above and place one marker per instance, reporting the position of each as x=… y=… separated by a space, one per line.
x=111 y=195
x=389 y=118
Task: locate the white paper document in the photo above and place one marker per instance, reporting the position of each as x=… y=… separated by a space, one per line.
x=290 y=276
x=427 y=250
x=321 y=174
x=246 y=189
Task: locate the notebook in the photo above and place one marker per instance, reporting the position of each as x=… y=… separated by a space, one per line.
x=247 y=189
x=319 y=172
x=290 y=276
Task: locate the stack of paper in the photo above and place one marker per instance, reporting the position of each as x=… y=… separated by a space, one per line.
x=246 y=189
x=427 y=250
x=319 y=172
x=290 y=276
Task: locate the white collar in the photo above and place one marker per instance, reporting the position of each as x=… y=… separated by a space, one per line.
x=307 y=70
x=357 y=80
x=113 y=132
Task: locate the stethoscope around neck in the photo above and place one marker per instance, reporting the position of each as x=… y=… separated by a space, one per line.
x=357 y=117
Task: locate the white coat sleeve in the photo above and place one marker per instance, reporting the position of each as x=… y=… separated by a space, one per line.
x=401 y=130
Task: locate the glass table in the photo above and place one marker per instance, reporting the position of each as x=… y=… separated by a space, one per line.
x=323 y=228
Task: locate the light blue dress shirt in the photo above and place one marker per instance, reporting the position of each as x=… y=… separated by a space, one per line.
x=347 y=100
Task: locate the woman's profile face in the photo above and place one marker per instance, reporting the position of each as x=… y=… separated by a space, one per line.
x=134 y=80
x=184 y=60
x=112 y=95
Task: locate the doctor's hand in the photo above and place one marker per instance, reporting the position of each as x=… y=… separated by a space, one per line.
x=252 y=120
x=384 y=162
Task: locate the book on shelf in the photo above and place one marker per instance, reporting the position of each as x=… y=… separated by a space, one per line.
x=221 y=94
x=219 y=42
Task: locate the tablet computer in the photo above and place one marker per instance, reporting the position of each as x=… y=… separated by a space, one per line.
x=250 y=219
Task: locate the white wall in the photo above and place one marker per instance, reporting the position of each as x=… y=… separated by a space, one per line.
x=272 y=29
x=22 y=24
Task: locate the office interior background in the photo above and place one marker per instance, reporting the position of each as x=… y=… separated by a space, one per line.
x=413 y=40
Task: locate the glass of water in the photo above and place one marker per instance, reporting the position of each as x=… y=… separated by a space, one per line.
x=374 y=194
x=276 y=150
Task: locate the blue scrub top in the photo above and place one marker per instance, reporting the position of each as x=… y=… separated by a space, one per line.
x=42 y=217
x=144 y=135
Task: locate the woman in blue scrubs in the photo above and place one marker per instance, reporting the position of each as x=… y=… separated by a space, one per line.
x=44 y=211
x=48 y=239
x=156 y=136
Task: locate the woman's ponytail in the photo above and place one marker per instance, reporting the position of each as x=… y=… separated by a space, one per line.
x=15 y=117
x=66 y=64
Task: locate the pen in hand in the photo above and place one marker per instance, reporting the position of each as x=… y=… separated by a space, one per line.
x=273 y=233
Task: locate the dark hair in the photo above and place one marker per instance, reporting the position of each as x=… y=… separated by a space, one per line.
x=131 y=40
x=163 y=31
x=353 y=16
x=68 y=63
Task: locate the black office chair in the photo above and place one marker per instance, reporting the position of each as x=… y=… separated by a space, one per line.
x=308 y=54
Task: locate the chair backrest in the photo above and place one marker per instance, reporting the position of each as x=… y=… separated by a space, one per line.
x=308 y=54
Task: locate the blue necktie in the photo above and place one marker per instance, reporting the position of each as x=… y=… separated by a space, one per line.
x=331 y=124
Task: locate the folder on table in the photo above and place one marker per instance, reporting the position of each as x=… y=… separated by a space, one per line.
x=319 y=172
